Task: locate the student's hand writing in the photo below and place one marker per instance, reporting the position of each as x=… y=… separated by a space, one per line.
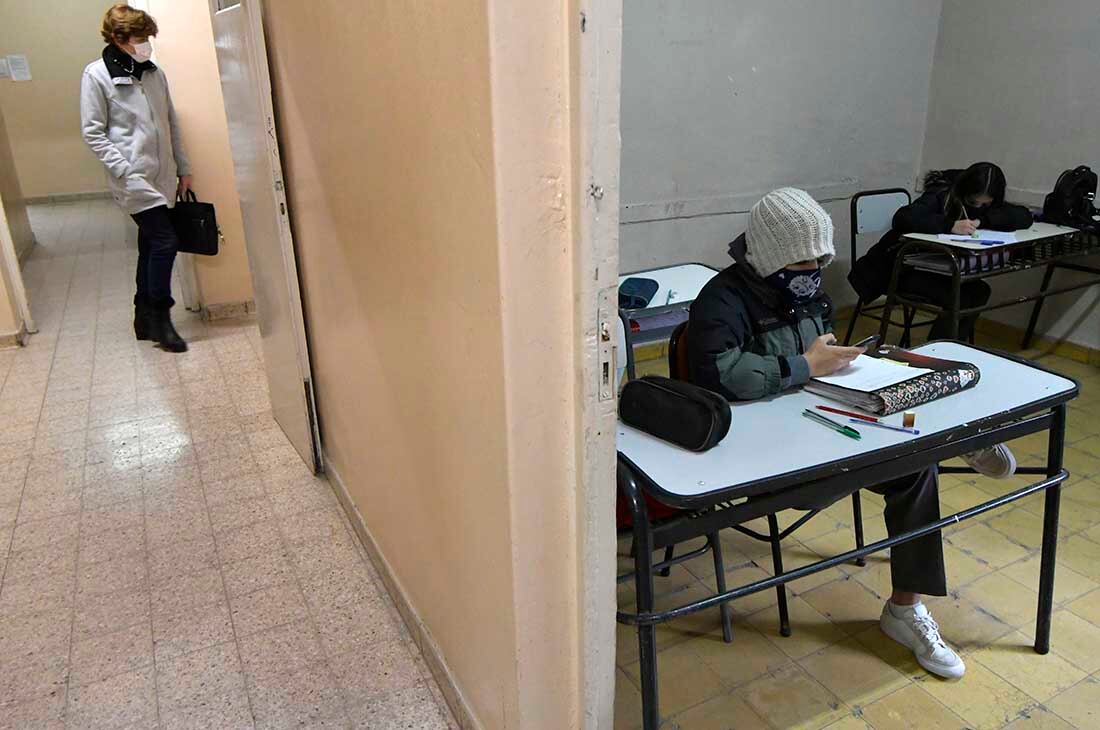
x=825 y=357
x=965 y=227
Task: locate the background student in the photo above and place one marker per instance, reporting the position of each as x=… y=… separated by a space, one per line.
x=954 y=201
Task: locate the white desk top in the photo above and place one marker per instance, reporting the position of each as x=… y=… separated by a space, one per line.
x=1037 y=232
x=769 y=438
x=676 y=284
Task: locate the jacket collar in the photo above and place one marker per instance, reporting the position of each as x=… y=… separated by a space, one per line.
x=122 y=65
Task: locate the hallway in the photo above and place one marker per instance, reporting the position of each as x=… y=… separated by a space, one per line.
x=166 y=558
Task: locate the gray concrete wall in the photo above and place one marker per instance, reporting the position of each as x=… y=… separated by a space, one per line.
x=723 y=101
x=1017 y=83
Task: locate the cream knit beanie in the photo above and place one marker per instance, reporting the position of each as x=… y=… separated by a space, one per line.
x=785 y=227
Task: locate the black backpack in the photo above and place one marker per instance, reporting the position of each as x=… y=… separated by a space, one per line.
x=1070 y=203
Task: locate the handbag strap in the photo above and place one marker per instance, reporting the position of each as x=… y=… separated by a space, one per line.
x=190 y=196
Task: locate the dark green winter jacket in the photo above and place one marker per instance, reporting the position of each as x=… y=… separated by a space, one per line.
x=744 y=341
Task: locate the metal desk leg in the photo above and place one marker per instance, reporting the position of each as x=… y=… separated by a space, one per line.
x=1050 y=531
x=643 y=589
x=956 y=302
x=857 y=520
x=781 y=589
x=720 y=582
x=1030 y=332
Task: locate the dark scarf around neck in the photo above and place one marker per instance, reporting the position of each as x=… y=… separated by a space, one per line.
x=120 y=63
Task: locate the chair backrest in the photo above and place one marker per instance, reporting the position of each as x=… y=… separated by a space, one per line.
x=678 y=368
x=873 y=211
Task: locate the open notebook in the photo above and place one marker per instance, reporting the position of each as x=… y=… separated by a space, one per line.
x=895 y=380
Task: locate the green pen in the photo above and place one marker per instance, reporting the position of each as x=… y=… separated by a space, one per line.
x=829 y=423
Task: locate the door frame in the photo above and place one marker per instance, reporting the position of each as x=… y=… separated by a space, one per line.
x=595 y=81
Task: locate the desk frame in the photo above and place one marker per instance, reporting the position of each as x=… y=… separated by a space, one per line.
x=1054 y=252
x=714 y=511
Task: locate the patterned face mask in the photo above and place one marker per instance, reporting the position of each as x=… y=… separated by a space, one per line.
x=797 y=287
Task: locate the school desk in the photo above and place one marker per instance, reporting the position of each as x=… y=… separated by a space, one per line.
x=1044 y=245
x=773 y=457
x=677 y=287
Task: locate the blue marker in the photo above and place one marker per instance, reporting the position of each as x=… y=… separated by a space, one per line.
x=903 y=429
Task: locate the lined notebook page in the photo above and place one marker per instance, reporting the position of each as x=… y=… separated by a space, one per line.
x=871 y=373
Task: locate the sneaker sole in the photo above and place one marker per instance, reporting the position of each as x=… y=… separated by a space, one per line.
x=929 y=666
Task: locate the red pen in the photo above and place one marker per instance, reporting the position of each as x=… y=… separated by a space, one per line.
x=860 y=416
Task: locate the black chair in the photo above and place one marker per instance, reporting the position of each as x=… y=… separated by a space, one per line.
x=678 y=369
x=872 y=211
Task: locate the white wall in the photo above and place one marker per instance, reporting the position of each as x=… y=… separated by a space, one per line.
x=723 y=101
x=1016 y=82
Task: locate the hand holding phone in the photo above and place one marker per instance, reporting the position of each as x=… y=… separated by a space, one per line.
x=868 y=343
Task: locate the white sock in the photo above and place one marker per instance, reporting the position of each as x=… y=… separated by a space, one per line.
x=902 y=611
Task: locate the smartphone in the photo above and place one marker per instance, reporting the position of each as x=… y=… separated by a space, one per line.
x=868 y=343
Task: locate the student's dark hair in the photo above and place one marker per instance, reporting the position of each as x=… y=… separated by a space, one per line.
x=981 y=178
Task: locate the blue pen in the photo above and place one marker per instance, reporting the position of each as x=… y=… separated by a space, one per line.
x=903 y=429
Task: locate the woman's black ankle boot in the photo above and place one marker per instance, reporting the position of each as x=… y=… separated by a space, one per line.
x=164 y=333
x=141 y=319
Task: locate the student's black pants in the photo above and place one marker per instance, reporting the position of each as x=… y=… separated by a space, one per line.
x=936 y=289
x=912 y=501
x=157 y=246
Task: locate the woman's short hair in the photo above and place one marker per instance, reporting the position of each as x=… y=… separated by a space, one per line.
x=122 y=22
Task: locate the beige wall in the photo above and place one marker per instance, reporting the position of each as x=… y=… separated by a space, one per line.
x=428 y=175
x=59 y=37
x=185 y=50
x=10 y=321
x=15 y=209
x=13 y=223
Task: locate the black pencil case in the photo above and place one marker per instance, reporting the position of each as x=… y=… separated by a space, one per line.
x=674 y=411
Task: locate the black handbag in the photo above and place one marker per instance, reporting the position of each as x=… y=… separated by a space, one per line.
x=196 y=225
x=675 y=411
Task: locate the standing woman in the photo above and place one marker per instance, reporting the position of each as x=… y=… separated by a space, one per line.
x=127 y=118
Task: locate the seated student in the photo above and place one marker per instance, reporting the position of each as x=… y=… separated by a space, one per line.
x=762 y=326
x=954 y=201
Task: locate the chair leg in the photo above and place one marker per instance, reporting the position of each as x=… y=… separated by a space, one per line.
x=857 y=517
x=908 y=314
x=780 y=590
x=720 y=581
x=852 y=322
x=667 y=571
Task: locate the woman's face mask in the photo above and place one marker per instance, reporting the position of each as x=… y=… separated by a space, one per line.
x=798 y=286
x=142 y=51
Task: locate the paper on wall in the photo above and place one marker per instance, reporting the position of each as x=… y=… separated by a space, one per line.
x=4 y=72
x=19 y=67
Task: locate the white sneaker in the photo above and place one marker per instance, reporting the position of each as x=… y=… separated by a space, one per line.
x=918 y=631
x=996 y=462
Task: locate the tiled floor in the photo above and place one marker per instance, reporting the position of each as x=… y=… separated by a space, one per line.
x=837 y=670
x=166 y=559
